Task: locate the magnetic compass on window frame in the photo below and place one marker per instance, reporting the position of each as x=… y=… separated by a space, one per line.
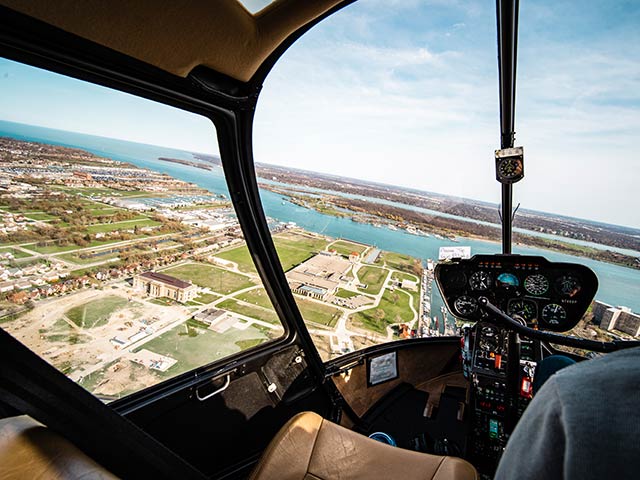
x=510 y=165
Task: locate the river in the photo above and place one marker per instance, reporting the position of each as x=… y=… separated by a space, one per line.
x=618 y=285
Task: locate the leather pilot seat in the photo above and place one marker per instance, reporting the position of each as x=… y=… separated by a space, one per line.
x=309 y=447
x=30 y=450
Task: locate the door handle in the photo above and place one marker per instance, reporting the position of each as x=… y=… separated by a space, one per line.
x=215 y=392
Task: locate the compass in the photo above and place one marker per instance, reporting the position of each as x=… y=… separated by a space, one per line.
x=510 y=165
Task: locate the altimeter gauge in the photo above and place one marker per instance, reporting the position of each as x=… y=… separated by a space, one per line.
x=465 y=305
x=480 y=281
x=510 y=165
x=536 y=284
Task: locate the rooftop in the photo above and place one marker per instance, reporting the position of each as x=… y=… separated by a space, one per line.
x=167 y=279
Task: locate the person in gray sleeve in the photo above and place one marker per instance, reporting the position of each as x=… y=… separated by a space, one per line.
x=584 y=423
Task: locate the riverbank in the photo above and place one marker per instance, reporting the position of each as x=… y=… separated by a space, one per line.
x=582 y=230
x=415 y=222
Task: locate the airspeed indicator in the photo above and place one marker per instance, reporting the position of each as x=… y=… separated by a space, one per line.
x=536 y=284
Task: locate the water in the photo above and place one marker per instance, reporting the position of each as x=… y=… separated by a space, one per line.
x=317 y=191
x=618 y=285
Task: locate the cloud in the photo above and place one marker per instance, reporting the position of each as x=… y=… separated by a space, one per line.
x=411 y=107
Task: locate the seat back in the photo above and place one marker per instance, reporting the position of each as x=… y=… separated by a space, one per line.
x=309 y=447
x=30 y=450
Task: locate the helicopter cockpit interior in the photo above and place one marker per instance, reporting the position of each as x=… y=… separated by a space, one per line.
x=208 y=271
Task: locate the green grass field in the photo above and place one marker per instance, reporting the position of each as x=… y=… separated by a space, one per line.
x=99 y=209
x=206 y=298
x=52 y=248
x=396 y=306
x=217 y=279
x=247 y=344
x=345 y=293
x=257 y=296
x=317 y=312
x=345 y=248
x=292 y=248
x=398 y=261
x=408 y=276
x=404 y=276
x=239 y=255
x=86 y=190
x=15 y=252
x=39 y=216
x=373 y=277
x=193 y=346
x=253 y=311
x=393 y=308
x=125 y=225
x=96 y=312
x=75 y=258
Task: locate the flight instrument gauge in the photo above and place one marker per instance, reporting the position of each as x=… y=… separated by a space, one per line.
x=507 y=280
x=480 y=281
x=510 y=165
x=568 y=286
x=489 y=338
x=465 y=305
x=536 y=284
x=525 y=309
x=553 y=314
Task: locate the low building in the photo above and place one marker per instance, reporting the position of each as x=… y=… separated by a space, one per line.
x=23 y=284
x=319 y=276
x=598 y=310
x=609 y=318
x=410 y=285
x=621 y=319
x=157 y=284
x=209 y=315
x=628 y=322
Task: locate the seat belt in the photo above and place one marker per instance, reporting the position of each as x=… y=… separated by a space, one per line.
x=29 y=384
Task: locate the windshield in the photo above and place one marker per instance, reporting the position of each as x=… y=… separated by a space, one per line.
x=375 y=137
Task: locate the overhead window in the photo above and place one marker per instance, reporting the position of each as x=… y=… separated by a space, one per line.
x=255 y=6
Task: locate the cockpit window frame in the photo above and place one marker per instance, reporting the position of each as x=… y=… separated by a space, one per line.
x=230 y=109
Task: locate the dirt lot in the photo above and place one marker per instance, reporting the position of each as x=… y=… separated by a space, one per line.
x=79 y=351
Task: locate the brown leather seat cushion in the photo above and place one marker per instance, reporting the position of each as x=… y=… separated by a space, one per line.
x=30 y=450
x=311 y=448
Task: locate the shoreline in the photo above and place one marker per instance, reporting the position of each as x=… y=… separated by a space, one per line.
x=386 y=215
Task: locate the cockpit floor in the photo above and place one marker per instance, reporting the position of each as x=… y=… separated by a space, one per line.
x=402 y=415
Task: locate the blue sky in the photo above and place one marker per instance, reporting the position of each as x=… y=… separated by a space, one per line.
x=405 y=92
x=38 y=97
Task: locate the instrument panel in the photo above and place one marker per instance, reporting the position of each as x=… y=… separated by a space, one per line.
x=543 y=294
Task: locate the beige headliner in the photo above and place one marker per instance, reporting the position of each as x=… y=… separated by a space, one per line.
x=179 y=35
